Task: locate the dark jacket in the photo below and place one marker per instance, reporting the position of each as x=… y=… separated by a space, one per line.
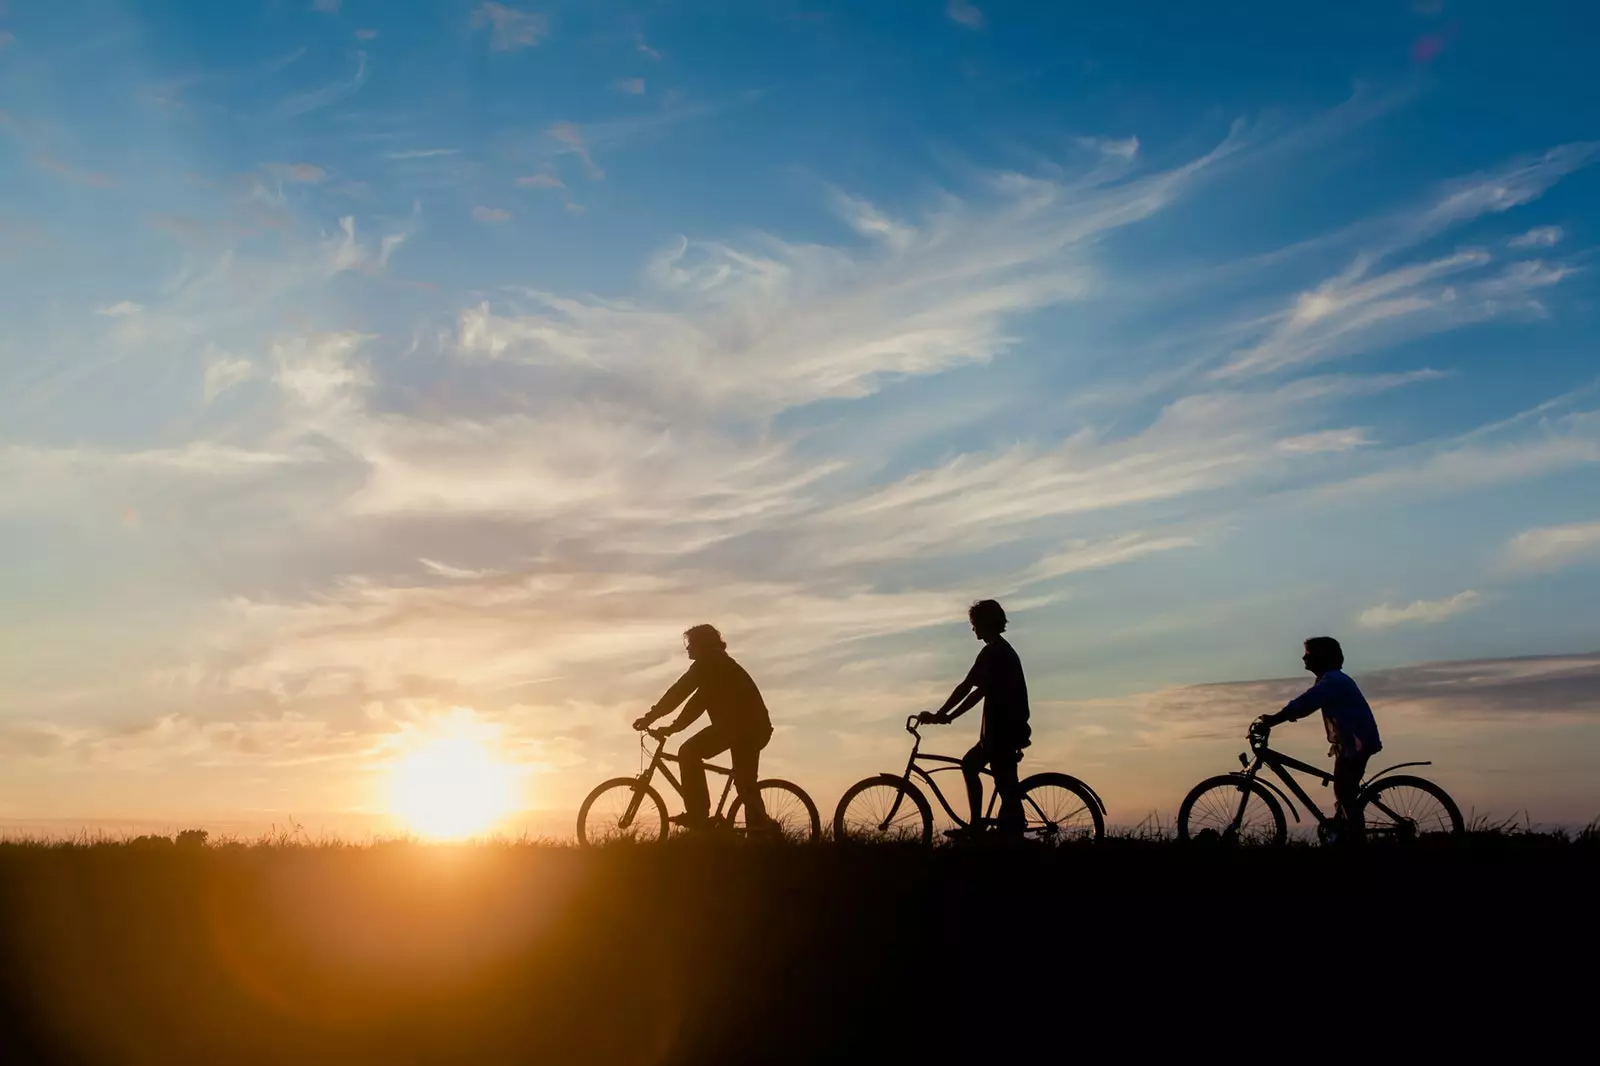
x=720 y=687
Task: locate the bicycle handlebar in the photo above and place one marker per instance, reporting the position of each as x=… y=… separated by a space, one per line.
x=912 y=723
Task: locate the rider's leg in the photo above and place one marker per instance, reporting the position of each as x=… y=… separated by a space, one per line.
x=708 y=743
x=746 y=756
x=1347 y=773
x=1004 y=765
x=971 y=770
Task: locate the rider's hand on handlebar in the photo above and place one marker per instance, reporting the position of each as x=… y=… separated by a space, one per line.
x=641 y=723
x=659 y=733
x=932 y=718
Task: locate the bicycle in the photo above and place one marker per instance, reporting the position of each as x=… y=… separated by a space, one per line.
x=1240 y=807
x=630 y=808
x=1058 y=808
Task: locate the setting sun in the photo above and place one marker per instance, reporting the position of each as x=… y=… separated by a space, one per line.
x=451 y=788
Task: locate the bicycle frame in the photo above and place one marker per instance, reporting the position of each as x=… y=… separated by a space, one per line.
x=1280 y=764
x=913 y=772
x=658 y=765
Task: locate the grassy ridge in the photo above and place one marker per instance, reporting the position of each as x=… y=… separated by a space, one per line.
x=697 y=951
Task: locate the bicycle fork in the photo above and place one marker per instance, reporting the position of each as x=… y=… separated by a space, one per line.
x=1244 y=801
x=894 y=808
x=633 y=805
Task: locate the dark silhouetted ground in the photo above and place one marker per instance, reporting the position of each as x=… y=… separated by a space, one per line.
x=397 y=953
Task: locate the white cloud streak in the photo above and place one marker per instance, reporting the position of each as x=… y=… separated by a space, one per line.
x=1365 y=308
x=510 y=29
x=1419 y=612
x=965 y=13
x=316 y=99
x=780 y=324
x=224 y=372
x=1538 y=237
x=1554 y=547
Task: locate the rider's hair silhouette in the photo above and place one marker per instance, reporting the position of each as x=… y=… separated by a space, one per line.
x=1327 y=650
x=987 y=616
x=703 y=637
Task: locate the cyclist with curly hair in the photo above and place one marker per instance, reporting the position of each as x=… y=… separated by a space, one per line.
x=718 y=686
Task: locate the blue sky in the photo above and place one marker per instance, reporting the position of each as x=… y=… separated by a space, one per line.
x=368 y=366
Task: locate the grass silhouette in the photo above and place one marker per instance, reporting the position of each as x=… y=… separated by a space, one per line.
x=283 y=950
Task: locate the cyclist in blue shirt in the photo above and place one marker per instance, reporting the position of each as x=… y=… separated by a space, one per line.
x=1352 y=730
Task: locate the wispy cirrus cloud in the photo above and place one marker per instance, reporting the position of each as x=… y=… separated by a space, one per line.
x=1538 y=237
x=224 y=372
x=316 y=99
x=421 y=153
x=510 y=28
x=780 y=324
x=1366 y=307
x=1419 y=612
x=490 y=214
x=1554 y=547
x=543 y=180
x=965 y=13
x=570 y=137
x=302 y=173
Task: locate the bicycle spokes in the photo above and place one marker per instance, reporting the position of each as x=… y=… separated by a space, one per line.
x=883 y=811
x=1233 y=815
x=1404 y=812
x=1056 y=814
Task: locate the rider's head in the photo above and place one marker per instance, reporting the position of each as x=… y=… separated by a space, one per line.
x=988 y=619
x=702 y=640
x=1322 y=654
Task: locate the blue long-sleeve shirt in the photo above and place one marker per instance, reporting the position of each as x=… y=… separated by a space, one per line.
x=1345 y=713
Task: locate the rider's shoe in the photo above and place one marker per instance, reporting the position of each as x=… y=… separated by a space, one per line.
x=962 y=834
x=690 y=821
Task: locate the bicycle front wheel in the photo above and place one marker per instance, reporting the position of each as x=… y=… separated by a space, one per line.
x=620 y=809
x=789 y=809
x=1405 y=808
x=883 y=809
x=1060 y=810
x=1209 y=811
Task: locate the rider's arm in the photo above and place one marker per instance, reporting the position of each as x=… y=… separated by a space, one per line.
x=691 y=711
x=1307 y=702
x=966 y=695
x=675 y=695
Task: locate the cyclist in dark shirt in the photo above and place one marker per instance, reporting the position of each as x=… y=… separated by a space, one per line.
x=716 y=685
x=996 y=679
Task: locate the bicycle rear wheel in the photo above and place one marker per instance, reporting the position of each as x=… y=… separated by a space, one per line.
x=789 y=809
x=1208 y=813
x=1406 y=808
x=605 y=814
x=883 y=809
x=1060 y=810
